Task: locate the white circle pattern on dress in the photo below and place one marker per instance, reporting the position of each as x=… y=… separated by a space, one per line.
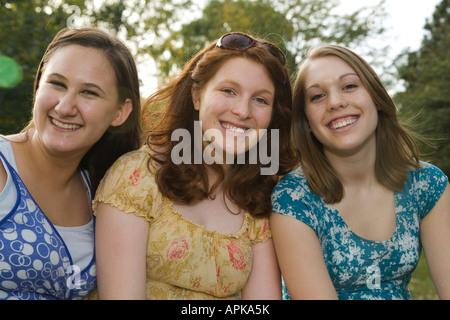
x=34 y=260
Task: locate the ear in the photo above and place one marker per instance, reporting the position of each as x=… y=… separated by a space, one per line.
x=195 y=99
x=123 y=113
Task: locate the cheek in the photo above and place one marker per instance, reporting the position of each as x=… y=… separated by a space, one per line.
x=375 y=118
x=371 y=109
x=314 y=122
x=263 y=118
x=202 y=114
x=102 y=114
x=44 y=101
x=203 y=106
x=312 y=116
x=41 y=96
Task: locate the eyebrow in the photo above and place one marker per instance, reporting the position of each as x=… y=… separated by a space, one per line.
x=235 y=83
x=340 y=79
x=348 y=74
x=87 y=84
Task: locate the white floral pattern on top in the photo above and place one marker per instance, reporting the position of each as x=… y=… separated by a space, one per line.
x=359 y=268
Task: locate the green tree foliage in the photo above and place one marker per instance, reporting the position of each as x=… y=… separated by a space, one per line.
x=141 y=21
x=294 y=25
x=426 y=98
x=27 y=26
x=168 y=32
x=145 y=24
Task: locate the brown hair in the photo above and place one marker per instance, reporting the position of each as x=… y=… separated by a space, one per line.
x=244 y=185
x=116 y=140
x=396 y=150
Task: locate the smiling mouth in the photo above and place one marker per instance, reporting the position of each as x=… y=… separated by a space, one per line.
x=342 y=122
x=233 y=128
x=67 y=126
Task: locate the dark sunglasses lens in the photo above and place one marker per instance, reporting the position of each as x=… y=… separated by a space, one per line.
x=276 y=53
x=236 y=41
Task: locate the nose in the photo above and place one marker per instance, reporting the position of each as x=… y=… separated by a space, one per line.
x=336 y=100
x=67 y=105
x=242 y=109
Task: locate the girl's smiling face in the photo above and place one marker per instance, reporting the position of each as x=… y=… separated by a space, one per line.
x=339 y=109
x=77 y=100
x=235 y=104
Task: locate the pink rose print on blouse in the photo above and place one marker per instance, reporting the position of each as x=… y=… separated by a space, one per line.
x=236 y=256
x=134 y=177
x=176 y=249
x=265 y=228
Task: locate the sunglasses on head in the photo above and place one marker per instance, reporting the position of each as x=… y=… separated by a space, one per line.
x=240 y=41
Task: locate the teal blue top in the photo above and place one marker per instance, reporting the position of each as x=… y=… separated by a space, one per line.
x=363 y=269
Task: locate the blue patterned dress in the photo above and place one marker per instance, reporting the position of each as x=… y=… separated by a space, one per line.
x=359 y=268
x=35 y=262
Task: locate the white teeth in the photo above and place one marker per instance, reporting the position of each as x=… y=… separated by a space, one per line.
x=65 y=126
x=233 y=128
x=342 y=124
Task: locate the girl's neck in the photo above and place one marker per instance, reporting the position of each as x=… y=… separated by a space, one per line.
x=33 y=158
x=356 y=170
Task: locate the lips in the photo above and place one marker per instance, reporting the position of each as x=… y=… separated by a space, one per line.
x=66 y=126
x=342 y=122
x=234 y=127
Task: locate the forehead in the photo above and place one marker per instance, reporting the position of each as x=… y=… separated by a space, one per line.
x=81 y=63
x=326 y=69
x=245 y=72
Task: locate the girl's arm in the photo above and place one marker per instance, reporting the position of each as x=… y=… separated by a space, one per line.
x=301 y=259
x=264 y=282
x=120 y=245
x=435 y=238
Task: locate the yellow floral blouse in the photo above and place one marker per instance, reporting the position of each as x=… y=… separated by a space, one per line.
x=184 y=260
